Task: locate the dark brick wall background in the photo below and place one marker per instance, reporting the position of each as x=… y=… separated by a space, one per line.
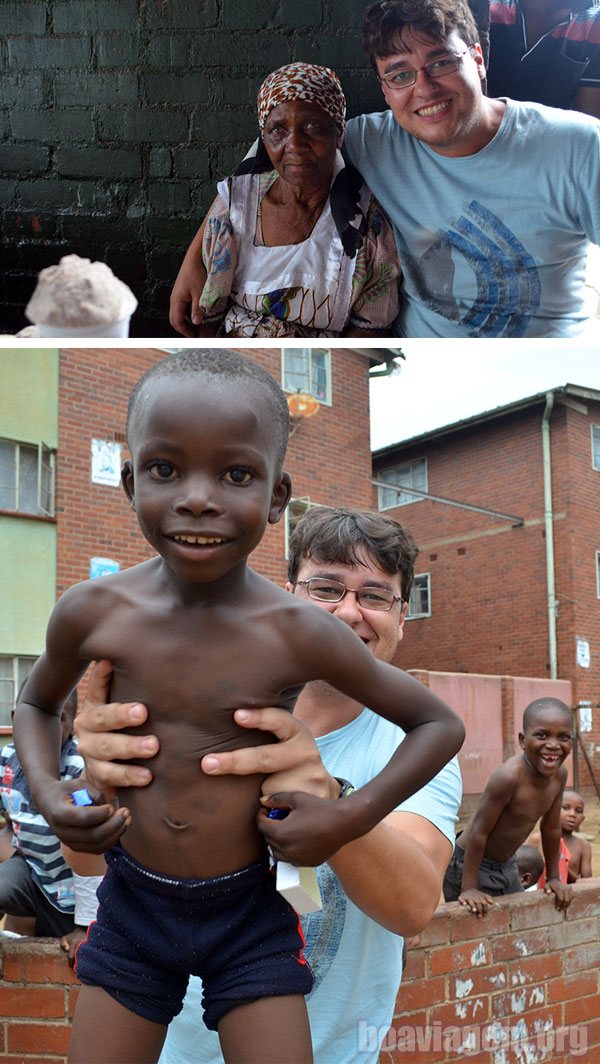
x=117 y=118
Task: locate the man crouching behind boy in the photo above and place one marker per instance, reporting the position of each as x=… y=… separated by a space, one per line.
x=528 y=786
x=194 y=633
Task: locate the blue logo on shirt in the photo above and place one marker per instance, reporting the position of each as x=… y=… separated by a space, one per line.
x=507 y=279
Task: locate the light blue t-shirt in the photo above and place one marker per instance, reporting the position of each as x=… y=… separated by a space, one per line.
x=492 y=244
x=356 y=962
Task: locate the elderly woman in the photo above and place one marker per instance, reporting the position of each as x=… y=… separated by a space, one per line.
x=295 y=244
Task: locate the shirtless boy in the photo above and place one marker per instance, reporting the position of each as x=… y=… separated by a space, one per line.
x=194 y=633
x=572 y=815
x=528 y=786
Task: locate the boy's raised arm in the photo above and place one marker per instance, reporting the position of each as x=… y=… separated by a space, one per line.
x=434 y=734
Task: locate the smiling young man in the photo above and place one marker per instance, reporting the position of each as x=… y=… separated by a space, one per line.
x=493 y=202
x=445 y=107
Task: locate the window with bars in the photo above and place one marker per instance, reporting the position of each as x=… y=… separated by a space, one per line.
x=307 y=369
x=411 y=475
x=26 y=478
x=598 y=573
x=596 y=447
x=419 y=604
x=13 y=673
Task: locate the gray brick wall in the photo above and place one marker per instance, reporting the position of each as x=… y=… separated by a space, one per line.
x=117 y=118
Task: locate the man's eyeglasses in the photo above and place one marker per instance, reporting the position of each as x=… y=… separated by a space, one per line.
x=438 y=68
x=370 y=598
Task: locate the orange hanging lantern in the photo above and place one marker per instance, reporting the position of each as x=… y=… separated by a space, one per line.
x=302 y=404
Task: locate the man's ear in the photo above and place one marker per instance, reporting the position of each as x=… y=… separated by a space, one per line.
x=401 y=619
x=279 y=499
x=478 y=57
x=127 y=480
x=521 y=739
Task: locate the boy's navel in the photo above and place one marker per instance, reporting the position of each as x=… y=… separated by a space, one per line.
x=177 y=825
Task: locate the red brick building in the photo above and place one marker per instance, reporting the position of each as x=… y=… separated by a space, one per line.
x=492 y=587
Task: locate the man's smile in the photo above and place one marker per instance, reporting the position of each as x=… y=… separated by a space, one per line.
x=432 y=110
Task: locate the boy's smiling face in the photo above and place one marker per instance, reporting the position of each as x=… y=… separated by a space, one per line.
x=204 y=478
x=547 y=741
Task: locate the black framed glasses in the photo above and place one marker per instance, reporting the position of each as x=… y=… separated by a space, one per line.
x=369 y=598
x=404 y=77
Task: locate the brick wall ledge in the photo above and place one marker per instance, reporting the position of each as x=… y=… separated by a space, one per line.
x=519 y=985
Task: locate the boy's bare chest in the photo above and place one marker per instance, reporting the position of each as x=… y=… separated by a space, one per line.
x=191 y=666
x=530 y=802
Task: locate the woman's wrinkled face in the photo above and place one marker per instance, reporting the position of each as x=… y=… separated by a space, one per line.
x=301 y=141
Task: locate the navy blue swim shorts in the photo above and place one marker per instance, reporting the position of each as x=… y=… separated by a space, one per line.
x=154 y=931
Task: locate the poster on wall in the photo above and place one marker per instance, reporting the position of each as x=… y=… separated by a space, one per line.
x=583 y=653
x=106 y=463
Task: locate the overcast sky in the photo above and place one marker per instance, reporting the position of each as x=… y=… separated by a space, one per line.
x=444 y=381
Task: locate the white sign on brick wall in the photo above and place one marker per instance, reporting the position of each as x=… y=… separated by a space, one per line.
x=106 y=463
x=583 y=653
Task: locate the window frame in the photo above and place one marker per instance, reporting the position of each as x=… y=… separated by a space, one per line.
x=46 y=478
x=595 y=430
x=398 y=500
x=598 y=574
x=6 y=729
x=309 y=351
x=419 y=616
x=303 y=502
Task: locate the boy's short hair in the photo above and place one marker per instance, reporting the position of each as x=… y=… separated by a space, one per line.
x=340 y=534
x=529 y=859
x=542 y=705
x=433 y=19
x=219 y=364
x=572 y=790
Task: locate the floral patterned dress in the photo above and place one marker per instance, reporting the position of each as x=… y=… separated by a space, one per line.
x=306 y=289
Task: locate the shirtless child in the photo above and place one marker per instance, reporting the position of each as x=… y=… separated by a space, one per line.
x=528 y=786
x=572 y=815
x=194 y=633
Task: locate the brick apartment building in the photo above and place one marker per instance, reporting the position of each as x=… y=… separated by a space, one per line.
x=63 y=516
x=492 y=588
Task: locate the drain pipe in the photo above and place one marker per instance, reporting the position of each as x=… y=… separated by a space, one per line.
x=549 y=527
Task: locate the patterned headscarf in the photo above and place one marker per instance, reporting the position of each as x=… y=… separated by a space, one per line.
x=303 y=81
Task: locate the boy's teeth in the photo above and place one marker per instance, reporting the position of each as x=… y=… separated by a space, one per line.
x=433 y=110
x=198 y=539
